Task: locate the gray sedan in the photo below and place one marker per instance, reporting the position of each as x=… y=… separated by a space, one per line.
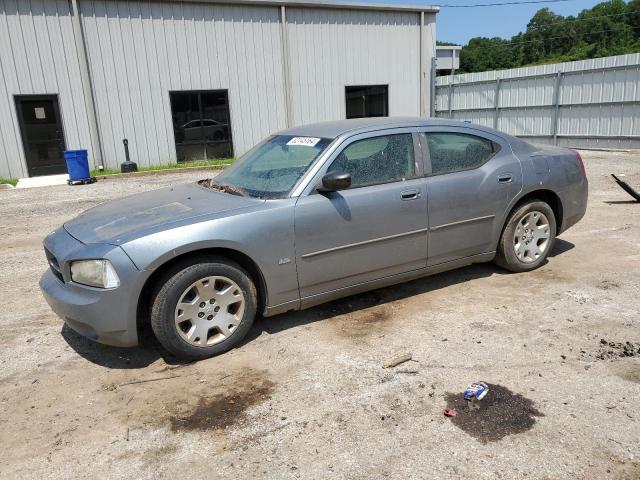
x=309 y=215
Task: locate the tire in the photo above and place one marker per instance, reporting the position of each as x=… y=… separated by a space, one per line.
x=530 y=249
x=212 y=297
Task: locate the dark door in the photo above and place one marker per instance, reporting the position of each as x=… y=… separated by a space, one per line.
x=42 y=135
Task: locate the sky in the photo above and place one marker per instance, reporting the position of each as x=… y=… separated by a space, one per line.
x=458 y=25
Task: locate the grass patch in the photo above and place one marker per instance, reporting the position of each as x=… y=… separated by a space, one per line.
x=168 y=166
x=10 y=181
x=107 y=171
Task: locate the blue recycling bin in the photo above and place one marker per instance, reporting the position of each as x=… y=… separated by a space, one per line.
x=77 y=166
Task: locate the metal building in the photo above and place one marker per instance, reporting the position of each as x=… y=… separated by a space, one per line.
x=447 y=59
x=197 y=79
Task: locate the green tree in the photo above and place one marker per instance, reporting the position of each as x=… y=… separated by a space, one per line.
x=633 y=18
x=487 y=54
x=609 y=28
x=539 y=41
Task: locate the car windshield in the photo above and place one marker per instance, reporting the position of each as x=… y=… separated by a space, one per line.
x=272 y=168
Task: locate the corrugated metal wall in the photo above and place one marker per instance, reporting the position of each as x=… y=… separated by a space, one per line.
x=38 y=56
x=330 y=49
x=140 y=51
x=591 y=103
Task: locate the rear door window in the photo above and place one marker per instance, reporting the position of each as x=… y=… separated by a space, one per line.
x=455 y=152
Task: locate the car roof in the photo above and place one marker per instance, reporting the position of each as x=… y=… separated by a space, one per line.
x=362 y=125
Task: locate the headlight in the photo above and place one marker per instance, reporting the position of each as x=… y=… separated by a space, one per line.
x=95 y=273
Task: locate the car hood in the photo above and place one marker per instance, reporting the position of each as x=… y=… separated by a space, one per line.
x=120 y=220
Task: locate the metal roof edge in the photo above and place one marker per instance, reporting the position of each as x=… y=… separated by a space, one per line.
x=331 y=4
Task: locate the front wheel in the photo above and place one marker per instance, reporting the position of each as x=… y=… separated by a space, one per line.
x=527 y=238
x=203 y=309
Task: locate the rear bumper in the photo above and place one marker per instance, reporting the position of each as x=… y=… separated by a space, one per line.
x=574 y=204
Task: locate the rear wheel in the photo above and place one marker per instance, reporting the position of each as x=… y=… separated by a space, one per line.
x=527 y=238
x=203 y=309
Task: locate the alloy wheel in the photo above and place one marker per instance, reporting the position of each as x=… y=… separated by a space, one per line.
x=531 y=237
x=209 y=311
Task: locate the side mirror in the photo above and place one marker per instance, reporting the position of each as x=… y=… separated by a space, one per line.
x=334 y=181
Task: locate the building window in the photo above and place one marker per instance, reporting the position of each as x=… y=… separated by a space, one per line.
x=367 y=101
x=201 y=125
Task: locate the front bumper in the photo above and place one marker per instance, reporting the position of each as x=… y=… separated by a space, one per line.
x=106 y=316
x=89 y=313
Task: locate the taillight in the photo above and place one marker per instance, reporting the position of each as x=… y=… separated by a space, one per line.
x=580 y=162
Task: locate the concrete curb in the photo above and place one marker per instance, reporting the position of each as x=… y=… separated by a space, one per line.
x=166 y=171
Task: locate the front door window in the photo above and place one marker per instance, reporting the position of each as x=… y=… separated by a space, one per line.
x=384 y=159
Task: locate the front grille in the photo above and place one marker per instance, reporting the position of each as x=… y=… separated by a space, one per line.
x=53 y=264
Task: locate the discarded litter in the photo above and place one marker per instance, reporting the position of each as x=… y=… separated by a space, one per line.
x=626 y=187
x=474 y=393
x=397 y=360
x=450 y=412
x=476 y=390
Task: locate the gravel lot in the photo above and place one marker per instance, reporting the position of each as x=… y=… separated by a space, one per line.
x=306 y=395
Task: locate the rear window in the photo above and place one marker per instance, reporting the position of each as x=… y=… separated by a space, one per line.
x=455 y=152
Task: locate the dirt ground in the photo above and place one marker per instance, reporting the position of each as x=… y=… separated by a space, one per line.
x=306 y=395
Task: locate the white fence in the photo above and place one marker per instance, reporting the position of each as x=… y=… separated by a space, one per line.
x=590 y=103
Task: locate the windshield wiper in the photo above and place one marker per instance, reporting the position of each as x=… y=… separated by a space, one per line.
x=224 y=188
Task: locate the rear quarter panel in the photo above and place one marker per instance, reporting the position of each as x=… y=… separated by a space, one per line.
x=558 y=170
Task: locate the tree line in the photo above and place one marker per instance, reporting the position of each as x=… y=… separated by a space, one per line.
x=609 y=28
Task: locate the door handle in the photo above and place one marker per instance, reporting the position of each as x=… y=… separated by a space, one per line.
x=410 y=194
x=506 y=178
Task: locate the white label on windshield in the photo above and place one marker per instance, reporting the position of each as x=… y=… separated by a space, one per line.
x=304 y=141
